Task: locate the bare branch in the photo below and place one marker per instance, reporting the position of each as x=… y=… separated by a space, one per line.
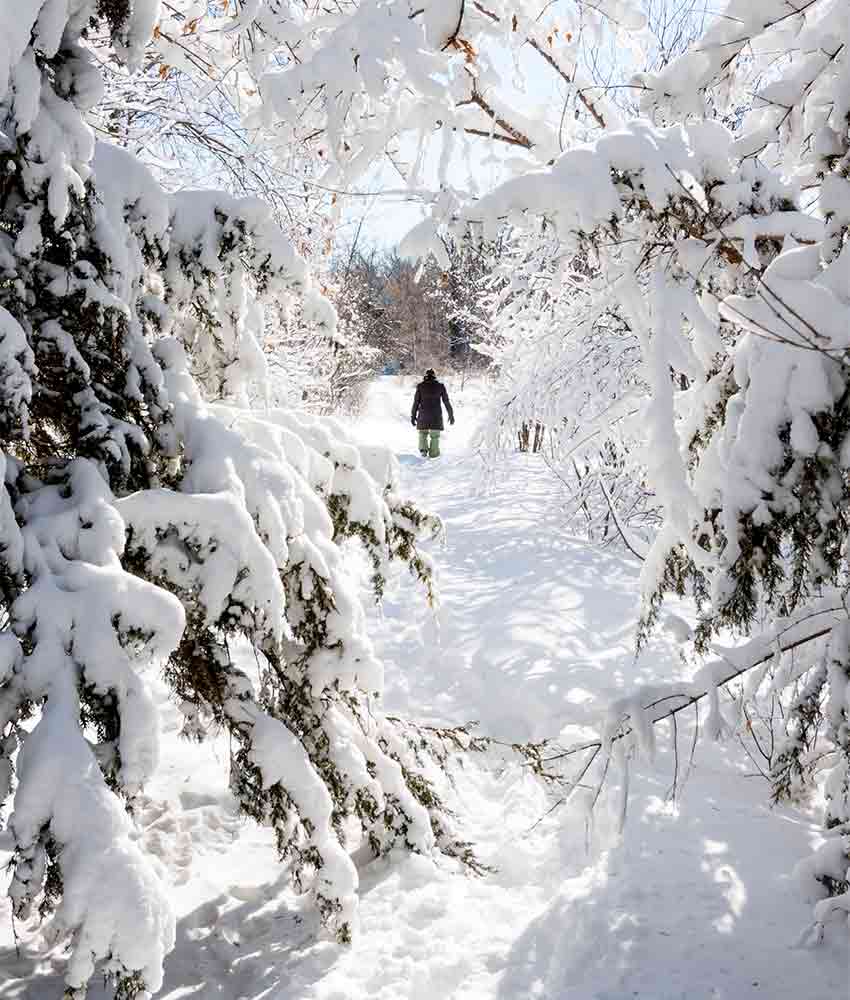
x=514 y=135
x=450 y=41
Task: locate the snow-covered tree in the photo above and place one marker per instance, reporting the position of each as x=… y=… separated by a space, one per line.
x=391 y=309
x=149 y=519
x=725 y=254
x=411 y=81
x=326 y=374
x=464 y=292
x=568 y=362
x=568 y=365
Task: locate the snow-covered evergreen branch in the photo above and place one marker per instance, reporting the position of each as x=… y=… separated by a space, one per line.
x=150 y=521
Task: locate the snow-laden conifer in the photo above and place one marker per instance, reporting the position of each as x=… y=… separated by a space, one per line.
x=150 y=520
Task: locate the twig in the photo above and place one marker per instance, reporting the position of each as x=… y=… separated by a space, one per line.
x=692 y=755
x=538 y=48
x=516 y=136
x=671 y=794
x=452 y=39
x=601 y=784
x=509 y=139
x=15 y=937
x=621 y=530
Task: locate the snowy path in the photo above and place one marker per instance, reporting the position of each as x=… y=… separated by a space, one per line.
x=533 y=635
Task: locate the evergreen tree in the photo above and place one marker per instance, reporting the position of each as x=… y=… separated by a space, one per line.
x=149 y=520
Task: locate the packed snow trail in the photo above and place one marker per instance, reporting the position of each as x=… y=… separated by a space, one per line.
x=533 y=628
x=533 y=635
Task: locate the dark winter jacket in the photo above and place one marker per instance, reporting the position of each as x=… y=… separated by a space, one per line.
x=427 y=412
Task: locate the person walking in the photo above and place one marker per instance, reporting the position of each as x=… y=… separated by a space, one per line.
x=427 y=413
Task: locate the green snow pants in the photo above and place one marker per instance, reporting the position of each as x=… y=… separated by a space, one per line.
x=432 y=448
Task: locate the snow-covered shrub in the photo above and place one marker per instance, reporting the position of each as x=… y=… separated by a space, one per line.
x=568 y=365
x=149 y=519
x=325 y=375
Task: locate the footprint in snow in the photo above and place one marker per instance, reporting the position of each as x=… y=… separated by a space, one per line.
x=174 y=832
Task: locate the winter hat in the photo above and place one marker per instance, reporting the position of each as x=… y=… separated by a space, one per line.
x=430 y=373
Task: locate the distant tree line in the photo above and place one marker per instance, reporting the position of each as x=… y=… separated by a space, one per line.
x=417 y=315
